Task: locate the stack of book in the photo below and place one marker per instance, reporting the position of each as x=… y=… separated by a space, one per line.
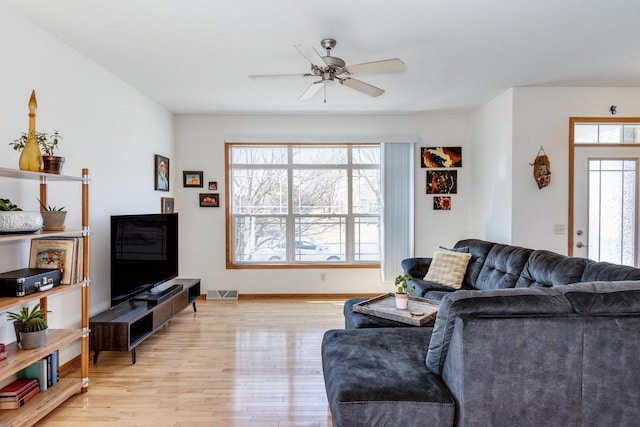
x=44 y=370
x=64 y=253
x=19 y=392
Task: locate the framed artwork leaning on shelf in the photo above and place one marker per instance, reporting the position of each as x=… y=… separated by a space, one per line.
x=166 y=205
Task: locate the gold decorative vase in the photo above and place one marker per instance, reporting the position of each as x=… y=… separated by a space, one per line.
x=31 y=158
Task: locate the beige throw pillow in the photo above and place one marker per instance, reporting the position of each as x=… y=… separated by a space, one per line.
x=447 y=268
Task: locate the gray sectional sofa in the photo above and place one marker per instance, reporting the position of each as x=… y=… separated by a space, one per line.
x=534 y=338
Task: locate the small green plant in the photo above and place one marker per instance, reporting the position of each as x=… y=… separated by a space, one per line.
x=48 y=143
x=49 y=207
x=402 y=283
x=6 y=205
x=31 y=319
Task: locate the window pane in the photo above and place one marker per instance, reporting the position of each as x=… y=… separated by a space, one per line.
x=322 y=191
x=585 y=133
x=631 y=133
x=256 y=238
x=247 y=155
x=366 y=155
x=366 y=189
x=259 y=191
x=320 y=155
x=610 y=133
x=367 y=236
x=320 y=239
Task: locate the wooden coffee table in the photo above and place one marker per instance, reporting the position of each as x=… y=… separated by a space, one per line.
x=419 y=312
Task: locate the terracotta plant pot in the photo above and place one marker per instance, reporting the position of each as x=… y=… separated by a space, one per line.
x=53 y=220
x=402 y=301
x=52 y=164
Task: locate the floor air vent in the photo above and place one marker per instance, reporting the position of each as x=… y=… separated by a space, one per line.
x=222 y=294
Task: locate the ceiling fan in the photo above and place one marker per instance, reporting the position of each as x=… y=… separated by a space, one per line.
x=333 y=69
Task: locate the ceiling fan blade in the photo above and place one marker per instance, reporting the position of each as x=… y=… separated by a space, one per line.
x=256 y=76
x=311 y=54
x=377 y=66
x=361 y=86
x=312 y=90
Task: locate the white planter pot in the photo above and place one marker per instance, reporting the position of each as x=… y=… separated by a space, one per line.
x=20 y=221
x=402 y=301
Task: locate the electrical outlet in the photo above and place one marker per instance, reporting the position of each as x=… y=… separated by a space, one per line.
x=559 y=229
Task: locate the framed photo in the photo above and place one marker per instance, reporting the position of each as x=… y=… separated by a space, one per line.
x=440 y=157
x=442 y=182
x=192 y=178
x=161 y=177
x=442 y=203
x=209 y=200
x=213 y=185
x=166 y=205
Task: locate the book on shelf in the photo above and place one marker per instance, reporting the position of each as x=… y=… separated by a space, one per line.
x=37 y=370
x=59 y=252
x=18 y=387
x=21 y=400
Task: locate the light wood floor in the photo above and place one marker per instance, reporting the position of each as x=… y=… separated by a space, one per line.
x=233 y=363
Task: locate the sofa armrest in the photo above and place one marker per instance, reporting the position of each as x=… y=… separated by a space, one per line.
x=421 y=287
x=416 y=267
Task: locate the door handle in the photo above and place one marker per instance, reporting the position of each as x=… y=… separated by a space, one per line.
x=580 y=245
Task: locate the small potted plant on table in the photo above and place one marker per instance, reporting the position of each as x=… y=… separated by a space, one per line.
x=402 y=297
x=48 y=144
x=53 y=217
x=15 y=220
x=30 y=326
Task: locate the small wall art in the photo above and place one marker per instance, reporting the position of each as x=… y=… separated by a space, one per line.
x=442 y=203
x=441 y=157
x=161 y=169
x=209 y=200
x=442 y=182
x=213 y=185
x=166 y=205
x=192 y=178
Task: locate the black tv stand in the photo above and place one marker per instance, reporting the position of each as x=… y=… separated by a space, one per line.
x=126 y=325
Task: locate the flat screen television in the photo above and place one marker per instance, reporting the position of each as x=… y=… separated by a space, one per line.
x=144 y=253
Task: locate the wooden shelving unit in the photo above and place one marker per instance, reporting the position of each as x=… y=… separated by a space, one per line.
x=17 y=359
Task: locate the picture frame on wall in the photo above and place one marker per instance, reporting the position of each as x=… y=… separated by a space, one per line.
x=209 y=200
x=192 y=178
x=440 y=157
x=213 y=185
x=442 y=182
x=161 y=173
x=442 y=203
x=167 y=205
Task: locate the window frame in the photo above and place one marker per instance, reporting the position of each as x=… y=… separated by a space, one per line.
x=349 y=216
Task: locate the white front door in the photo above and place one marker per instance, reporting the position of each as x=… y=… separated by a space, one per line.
x=605 y=220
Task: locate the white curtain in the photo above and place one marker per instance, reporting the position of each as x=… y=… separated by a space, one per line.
x=397 y=228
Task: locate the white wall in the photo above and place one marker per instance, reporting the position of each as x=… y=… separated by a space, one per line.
x=107 y=126
x=491 y=174
x=541 y=118
x=200 y=146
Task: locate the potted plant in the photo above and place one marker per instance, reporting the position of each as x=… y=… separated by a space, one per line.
x=402 y=297
x=53 y=217
x=15 y=220
x=48 y=144
x=30 y=326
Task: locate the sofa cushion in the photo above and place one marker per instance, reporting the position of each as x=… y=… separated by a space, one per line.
x=502 y=267
x=604 y=297
x=546 y=269
x=448 y=268
x=599 y=271
x=464 y=303
x=478 y=250
x=377 y=377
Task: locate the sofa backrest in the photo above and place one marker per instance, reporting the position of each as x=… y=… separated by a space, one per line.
x=479 y=249
x=502 y=267
x=545 y=269
x=596 y=271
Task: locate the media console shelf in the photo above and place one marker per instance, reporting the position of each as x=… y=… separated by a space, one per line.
x=126 y=325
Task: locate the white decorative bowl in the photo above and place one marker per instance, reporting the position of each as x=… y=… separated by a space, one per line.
x=20 y=221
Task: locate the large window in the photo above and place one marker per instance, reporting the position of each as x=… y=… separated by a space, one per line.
x=303 y=204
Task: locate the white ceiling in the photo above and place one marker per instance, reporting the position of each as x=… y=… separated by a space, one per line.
x=195 y=56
